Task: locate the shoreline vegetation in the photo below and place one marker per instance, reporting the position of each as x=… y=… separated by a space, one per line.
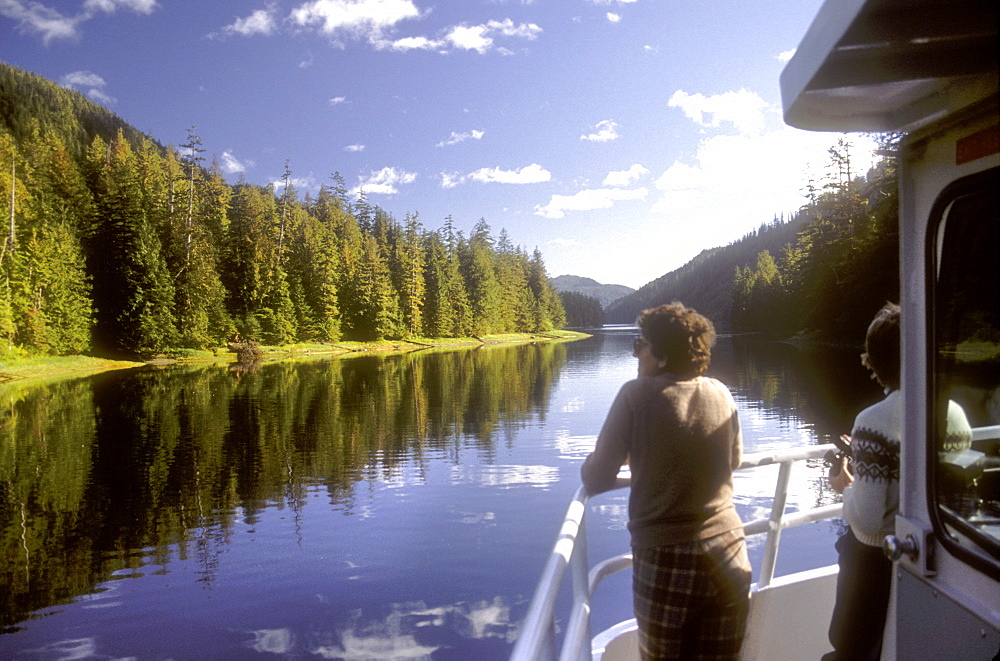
x=39 y=368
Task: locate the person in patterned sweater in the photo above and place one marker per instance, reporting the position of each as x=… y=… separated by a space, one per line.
x=871 y=499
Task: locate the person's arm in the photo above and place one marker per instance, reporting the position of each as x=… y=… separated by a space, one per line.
x=737 y=457
x=843 y=479
x=601 y=467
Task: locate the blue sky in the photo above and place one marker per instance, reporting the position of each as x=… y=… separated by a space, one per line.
x=620 y=137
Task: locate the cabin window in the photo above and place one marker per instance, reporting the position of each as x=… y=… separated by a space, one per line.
x=965 y=313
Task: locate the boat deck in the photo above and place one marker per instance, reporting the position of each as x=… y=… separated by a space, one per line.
x=788 y=615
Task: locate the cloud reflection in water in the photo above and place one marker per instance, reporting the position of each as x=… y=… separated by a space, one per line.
x=505 y=476
x=408 y=633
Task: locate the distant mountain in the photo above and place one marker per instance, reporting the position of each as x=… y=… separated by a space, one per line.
x=606 y=294
x=706 y=282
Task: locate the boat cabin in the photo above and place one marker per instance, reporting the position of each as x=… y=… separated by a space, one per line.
x=928 y=71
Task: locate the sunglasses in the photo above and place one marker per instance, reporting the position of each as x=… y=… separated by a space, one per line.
x=637 y=344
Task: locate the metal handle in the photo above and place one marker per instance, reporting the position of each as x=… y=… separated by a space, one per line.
x=895 y=548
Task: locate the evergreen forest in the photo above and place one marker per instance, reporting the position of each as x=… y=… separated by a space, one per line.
x=582 y=311
x=118 y=245
x=821 y=274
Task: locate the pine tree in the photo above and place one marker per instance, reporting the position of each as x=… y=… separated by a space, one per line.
x=134 y=290
x=412 y=287
x=549 y=313
x=61 y=308
x=379 y=313
x=312 y=268
x=479 y=270
x=258 y=288
x=193 y=159
x=439 y=317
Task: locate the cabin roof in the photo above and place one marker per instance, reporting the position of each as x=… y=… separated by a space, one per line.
x=890 y=65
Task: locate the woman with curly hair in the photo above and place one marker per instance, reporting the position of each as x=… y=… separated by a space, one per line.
x=679 y=431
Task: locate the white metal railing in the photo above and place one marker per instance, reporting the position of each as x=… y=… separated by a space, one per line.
x=537 y=640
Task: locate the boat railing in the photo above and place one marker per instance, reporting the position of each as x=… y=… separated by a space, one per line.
x=538 y=640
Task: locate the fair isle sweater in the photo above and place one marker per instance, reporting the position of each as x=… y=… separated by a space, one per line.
x=872 y=500
x=682 y=439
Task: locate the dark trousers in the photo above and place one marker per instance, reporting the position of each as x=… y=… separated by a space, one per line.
x=859 y=615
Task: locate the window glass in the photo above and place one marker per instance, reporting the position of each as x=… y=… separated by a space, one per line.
x=966 y=317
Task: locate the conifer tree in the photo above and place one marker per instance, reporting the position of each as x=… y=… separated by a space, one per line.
x=439 y=317
x=379 y=313
x=412 y=288
x=479 y=271
x=549 y=313
x=258 y=288
x=312 y=269
x=515 y=296
x=61 y=311
x=193 y=159
x=134 y=290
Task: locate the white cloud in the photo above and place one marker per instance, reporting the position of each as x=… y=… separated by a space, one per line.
x=262 y=21
x=530 y=174
x=337 y=100
x=384 y=181
x=100 y=97
x=298 y=183
x=451 y=179
x=603 y=132
x=786 y=55
x=354 y=148
x=88 y=83
x=480 y=38
x=365 y=19
x=231 y=165
x=507 y=28
x=110 y=6
x=470 y=38
x=588 y=200
x=79 y=79
x=614 y=18
x=737 y=182
x=413 y=43
x=745 y=110
x=566 y=243
x=374 y=22
x=455 y=138
x=36 y=18
x=625 y=177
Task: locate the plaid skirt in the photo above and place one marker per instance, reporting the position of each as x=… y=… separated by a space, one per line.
x=691 y=600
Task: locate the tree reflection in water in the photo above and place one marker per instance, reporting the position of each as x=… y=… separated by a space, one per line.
x=371 y=507
x=120 y=471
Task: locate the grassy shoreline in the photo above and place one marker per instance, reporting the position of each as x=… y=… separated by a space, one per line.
x=57 y=367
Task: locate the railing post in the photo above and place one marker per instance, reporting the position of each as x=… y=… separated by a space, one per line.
x=581 y=580
x=774 y=529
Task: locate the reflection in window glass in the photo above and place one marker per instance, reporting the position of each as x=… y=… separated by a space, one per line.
x=967 y=330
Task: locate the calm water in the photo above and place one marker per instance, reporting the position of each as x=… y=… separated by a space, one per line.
x=366 y=508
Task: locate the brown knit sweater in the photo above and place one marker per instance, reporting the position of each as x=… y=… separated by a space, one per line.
x=682 y=440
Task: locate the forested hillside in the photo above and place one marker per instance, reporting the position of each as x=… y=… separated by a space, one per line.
x=116 y=243
x=706 y=282
x=823 y=273
x=582 y=311
x=605 y=294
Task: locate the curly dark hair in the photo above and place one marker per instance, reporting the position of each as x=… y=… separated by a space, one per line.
x=679 y=335
x=882 y=346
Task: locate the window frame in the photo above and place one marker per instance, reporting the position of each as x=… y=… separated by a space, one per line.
x=981 y=551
